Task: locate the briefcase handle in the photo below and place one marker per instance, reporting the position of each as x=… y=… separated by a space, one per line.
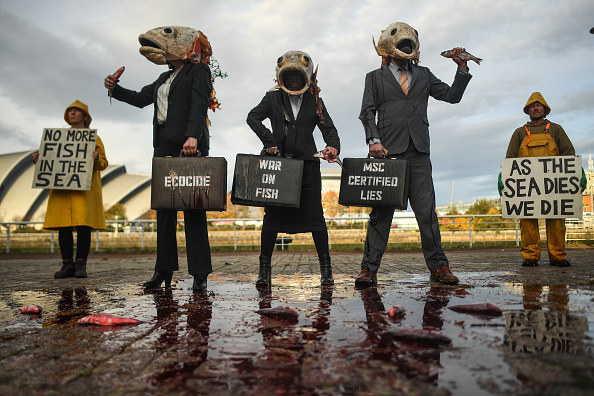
x=181 y=154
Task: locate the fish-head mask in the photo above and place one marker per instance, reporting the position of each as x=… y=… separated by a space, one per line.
x=175 y=42
x=294 y=65
x=398 y=41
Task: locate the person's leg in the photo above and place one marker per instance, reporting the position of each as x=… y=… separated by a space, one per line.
x=166 y=249
x=556 y=243
x=83 y=245
x=321 y=241
x=66 y=243
x=197 y=247
x=376 y=241
x=267 y=242
x=530 y=238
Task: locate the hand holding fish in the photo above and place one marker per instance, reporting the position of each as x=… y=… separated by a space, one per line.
x=330 y=153
x=459 y=55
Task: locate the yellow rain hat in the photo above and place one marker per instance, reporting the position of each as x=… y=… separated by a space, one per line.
x=537 y=97
x=82 y=107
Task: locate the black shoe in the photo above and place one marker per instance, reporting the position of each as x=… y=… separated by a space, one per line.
x=530 y=263
x=200 y=283
x=80 y=268
x=326 y=278
x=158 y=278
x=560 y=263
x=67 y=270
x=365 y=279
x=264 y=273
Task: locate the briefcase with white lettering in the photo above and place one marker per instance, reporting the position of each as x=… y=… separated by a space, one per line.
x=372 y=182
x=185 y=183
x=264 y=180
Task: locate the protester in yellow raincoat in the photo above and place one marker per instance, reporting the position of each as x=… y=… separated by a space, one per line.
x=540 y=138
x=83 y=210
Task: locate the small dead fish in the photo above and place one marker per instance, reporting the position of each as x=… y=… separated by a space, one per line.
x=30 y=309
x=478 y=309
x=418 y=335
x=107 y=320
x=116 y=76
x=466 y=56
x=396 y=312
x=279 y=313
x=320 y=154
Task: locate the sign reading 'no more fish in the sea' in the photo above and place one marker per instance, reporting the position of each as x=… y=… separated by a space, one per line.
x=541 y=187
x=261 y=180
x=372 y=182
x=65 y=159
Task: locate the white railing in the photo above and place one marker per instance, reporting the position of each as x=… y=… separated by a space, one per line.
x=343 y=232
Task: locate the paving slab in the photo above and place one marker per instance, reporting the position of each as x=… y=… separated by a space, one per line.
x=343 y=341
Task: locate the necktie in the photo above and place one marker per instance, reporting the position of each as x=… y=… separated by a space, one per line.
x=403 y=81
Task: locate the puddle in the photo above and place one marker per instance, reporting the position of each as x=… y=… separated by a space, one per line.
x=342 y=342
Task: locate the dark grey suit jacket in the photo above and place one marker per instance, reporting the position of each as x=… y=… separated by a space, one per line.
x=400 y=117
x=189 y=98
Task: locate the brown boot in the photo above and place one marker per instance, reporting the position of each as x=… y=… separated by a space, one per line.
x=80 y=268
x=67 y=270
x=365 y=279
x=443 y=275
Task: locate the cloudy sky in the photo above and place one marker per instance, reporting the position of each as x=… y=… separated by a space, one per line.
x=56 y=51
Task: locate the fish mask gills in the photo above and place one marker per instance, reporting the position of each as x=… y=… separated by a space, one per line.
x=294 y=62
x=400 y=41
x=175 y=42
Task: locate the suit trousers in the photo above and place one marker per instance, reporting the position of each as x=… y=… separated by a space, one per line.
x=422 y=202
x=197 y=245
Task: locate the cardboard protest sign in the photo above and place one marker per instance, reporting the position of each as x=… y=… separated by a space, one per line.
x=541 y=187
x=65 y=159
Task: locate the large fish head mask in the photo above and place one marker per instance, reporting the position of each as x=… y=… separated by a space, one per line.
x=400 y=41
x=294 y=64
x=175 y=42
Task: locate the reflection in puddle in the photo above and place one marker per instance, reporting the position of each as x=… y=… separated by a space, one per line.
x=342 y=341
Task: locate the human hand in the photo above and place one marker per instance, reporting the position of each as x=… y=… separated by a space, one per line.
x=271 y=150
x=330 y=153
x=95 y=155
x=190 y=146
x=35 y=157
x=377 y=150
x=462 y=64
x=110 y=82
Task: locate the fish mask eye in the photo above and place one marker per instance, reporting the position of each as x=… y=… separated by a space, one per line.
x=393 y=32
x=167 y=30
x=305 y=60
x=279 y=61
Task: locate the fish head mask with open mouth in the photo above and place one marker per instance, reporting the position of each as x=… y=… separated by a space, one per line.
x=398 y=41
x=175 y=42
x=294 y=71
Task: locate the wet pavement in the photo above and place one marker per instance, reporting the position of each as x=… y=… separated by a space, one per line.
x=342 y=342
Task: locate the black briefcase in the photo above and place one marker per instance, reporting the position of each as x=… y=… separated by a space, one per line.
x=374 y=182
x=184 y=183
x=264 y=180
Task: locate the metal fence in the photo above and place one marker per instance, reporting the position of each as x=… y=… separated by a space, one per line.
x=344 y=232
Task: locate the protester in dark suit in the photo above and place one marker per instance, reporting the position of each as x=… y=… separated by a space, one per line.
x=294 y=110
x=398 y=94
x=181 y=97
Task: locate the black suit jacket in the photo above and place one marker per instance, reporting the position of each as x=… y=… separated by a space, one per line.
x=189 y=98
x=294 y=137
x=400 y=117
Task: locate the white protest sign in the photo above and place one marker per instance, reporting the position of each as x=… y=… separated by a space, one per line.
x=541 y=187
x=65 y=159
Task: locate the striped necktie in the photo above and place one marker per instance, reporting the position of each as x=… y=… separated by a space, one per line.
x=403 y=81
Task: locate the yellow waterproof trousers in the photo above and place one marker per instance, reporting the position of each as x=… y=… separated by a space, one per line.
x=531 y=239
